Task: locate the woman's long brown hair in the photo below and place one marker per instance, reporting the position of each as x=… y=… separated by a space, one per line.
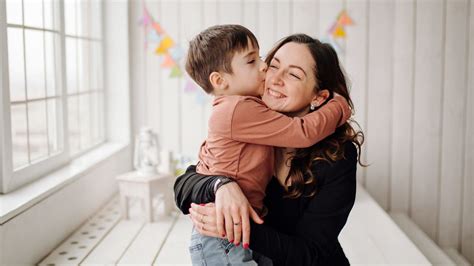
x=329 y=76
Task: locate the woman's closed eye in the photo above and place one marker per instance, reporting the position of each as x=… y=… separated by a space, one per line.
x=273 y=66
x=295 y=76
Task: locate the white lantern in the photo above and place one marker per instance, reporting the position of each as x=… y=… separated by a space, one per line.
x=146 y=157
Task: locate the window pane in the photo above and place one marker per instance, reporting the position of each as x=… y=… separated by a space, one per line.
x=70 y=16
x=85 y=120
x=33 y=13
x=96 y=21
x=35 y=64
x=95 y=120
x=14 y=12
x=16 y=64
x=71 y=64
x=83 y=27
x=53 y=125
x=73 y=123
x=84 y=66
x=38 y=130
x=51 y=59
x=96 y=66
x=19 y=135
x=51 y=14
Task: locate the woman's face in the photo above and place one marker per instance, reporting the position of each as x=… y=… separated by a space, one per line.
x=290 y=80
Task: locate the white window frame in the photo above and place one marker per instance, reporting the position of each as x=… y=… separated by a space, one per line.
x=12 y=179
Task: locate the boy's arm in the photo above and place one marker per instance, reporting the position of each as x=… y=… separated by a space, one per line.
x=253 y=122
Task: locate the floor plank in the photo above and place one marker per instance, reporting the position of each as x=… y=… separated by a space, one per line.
x=175 y=249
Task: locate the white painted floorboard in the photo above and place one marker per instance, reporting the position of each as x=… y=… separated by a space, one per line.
x=175 y=249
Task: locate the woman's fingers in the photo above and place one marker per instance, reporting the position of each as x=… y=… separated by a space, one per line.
x=229 y=226
x=237 y=223
x=245 y=228
x=255 y=217
x=220 y=222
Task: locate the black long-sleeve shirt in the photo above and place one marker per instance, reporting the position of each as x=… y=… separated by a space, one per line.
x=301 y=231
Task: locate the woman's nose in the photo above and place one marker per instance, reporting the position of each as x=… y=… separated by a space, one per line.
x=276 y=78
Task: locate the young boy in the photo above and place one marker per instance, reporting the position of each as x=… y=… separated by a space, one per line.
x=224 y=60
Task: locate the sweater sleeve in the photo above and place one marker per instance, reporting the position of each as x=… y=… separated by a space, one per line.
x=322 y=220
x=193 y=187
x=253 y=122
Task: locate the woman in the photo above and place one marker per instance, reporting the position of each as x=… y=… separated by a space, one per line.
x=313 y=191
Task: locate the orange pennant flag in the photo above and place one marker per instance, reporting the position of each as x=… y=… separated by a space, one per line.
x=339 y=32
x=157 y=28
x=165 y=44
x=344 y=19
x=168 y=62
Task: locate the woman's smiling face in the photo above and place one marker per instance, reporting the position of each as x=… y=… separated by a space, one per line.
x=290 y=81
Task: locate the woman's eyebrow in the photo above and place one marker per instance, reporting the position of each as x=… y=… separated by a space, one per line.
x=293 y=66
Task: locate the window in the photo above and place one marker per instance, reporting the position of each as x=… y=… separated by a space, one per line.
x=56 y=92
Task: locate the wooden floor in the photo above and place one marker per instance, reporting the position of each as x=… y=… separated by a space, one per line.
x=370 y=237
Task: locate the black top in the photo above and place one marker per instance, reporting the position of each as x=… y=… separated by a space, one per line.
x=301 y=231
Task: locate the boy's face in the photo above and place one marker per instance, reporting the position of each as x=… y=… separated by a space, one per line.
x=248 y=77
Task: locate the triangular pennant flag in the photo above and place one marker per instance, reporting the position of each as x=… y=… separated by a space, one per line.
x=176 y=52
x=344 y=19
x=168 y=62
x=165 y=44
x=157 y=28
x=339 y=32
x=332 y=28
x=190 y=87
x=145 y=20
x=176 y=72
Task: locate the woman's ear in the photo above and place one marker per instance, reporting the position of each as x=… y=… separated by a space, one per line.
x=218 y=82
x=321 y=98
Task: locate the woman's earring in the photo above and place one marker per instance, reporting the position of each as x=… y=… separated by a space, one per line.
x=312 y=107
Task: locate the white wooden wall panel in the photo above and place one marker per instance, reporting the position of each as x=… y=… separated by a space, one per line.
x=171 y=137
x=402 y=105
x=305 y=17
x=229 y=12
x=379 y=100
x=328 y=12
x=467 y=229
x=283 y=19
x=266 y=22
x=427 y=114
x=152 y=77
x=356 y=64
x=250 y=15
x=192 y=112
x=453 y=122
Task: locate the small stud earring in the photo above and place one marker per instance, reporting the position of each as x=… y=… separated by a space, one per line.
x=312 y=107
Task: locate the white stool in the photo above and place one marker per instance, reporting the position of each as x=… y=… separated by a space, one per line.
x=134 y=184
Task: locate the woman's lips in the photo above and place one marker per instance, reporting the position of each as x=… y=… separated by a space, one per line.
x=276 y=94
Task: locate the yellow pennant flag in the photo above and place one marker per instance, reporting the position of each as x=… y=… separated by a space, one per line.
x=165 y=44
x=339 y=32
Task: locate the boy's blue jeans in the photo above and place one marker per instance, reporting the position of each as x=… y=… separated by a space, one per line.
x=206 y=250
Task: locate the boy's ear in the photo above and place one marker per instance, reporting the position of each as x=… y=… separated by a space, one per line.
x=320 y=98
x=218 y=82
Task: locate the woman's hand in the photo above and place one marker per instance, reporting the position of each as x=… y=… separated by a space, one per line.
x=204 y=219
x=232 y=213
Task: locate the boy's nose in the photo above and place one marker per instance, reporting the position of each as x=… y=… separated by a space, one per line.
x=263 y=66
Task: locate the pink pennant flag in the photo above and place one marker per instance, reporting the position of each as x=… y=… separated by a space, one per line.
x=168 y=62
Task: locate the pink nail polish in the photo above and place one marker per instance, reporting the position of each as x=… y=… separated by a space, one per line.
x=202 y=204
x=237 y=244
x=246 y=246
x=232 y=241
x=223 y=235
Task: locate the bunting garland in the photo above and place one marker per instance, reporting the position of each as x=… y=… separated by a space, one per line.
x=338 y=30
x=171 y=53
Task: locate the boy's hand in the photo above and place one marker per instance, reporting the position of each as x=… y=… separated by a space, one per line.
x=346 y=109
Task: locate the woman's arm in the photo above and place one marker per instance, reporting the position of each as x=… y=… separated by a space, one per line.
x=322 y=221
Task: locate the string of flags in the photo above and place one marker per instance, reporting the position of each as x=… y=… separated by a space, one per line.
x=337 y=31
x=169 y=51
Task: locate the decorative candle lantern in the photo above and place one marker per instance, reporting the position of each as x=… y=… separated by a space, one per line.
x=146 y=157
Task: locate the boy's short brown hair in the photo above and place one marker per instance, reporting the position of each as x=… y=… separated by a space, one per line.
x=213 y=50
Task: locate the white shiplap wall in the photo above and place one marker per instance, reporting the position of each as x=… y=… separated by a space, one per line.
x=410 y=64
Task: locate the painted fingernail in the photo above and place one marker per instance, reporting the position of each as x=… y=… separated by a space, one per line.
x=202 y=204
x=223 y=235
x=246 y=246
x=237 y=244
x=232 y=241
